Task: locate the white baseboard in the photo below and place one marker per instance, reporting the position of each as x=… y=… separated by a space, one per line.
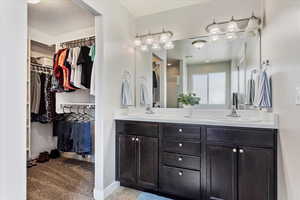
x=101 y=195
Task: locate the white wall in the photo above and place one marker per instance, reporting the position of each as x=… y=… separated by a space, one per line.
x=191 y=21
x=117 y=54
x=280 y=43
x=13 y=100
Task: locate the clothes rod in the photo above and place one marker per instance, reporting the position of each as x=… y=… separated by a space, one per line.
x=79 y=42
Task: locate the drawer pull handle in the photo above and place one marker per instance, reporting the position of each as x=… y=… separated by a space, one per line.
x=180 y=144
x=180 y=159
x=241 y=150
x=180 y=130
x=180 y=173
x=234 y=150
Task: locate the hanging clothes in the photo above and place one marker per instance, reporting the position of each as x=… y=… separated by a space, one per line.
x=74 y=136
x=86 y=62
x=76 y=69
x=35 y=91
x=93 y=79
x=43 y=98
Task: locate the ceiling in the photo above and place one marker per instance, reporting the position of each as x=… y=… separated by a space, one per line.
x=56 y=17
x=146 y=7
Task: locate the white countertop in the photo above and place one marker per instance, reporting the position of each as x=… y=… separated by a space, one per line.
x=251 y=119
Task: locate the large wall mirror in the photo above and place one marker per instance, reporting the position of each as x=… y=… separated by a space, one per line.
x=213 y=70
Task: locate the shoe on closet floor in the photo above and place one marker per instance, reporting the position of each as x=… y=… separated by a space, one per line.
x=43 y=157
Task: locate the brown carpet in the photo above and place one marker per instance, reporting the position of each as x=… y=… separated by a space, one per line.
x=61 y=179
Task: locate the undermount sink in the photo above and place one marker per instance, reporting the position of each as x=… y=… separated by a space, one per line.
x=237 y=119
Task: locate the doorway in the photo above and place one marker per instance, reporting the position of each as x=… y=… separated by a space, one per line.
x=61 y=109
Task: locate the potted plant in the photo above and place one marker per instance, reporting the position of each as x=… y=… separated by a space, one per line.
x=188 y=101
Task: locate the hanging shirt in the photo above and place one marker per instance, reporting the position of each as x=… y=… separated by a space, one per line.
x=93 y=84
x=86 y=62
x=77 y=68
x=35 y=92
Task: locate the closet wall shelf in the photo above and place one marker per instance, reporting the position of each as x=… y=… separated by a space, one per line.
x=75 y=105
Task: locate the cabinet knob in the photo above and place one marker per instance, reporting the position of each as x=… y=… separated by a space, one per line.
x=180 y=144
x=241 y=150
x=180 y=173
x=234 y=150
x=137 y=139
x=133 y=139
x=180 y=130
x=180 y=159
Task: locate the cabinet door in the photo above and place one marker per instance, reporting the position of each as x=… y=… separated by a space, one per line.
x=256 y=174
x=147 y=162
x=127 y=159
x=221 y=172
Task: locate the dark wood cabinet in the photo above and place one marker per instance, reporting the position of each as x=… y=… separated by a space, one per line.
x=127 y=158
x=197 y=162
x=221 y=170
x=180 y=182
x=147 y=162
x=256 y=174
x=137 y=157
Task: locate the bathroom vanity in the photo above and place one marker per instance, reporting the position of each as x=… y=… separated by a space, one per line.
x=197 y=160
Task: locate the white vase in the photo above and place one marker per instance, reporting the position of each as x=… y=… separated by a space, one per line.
x=189 y=109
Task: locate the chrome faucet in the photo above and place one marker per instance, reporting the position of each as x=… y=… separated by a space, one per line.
x=234 y=106
x=233 y=112
x=149 y=109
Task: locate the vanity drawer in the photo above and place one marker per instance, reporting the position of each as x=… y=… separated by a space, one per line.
x=183 y=161
x=180 y=182
x=182 y=147
x=147 y=129
x=255 y=137
x=182 y=131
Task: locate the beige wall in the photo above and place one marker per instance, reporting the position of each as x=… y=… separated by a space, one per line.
x=280 y=42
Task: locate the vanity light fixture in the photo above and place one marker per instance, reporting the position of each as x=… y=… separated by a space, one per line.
x=199 y=43
x=154 y=41
x=233 y=28
x=33 y=1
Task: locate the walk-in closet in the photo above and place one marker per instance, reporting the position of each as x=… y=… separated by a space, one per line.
x=61 y=101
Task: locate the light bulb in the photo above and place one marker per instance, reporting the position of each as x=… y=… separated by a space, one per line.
x=253 y=24
x=214 y=38
x=156 y=46
x=137 y=42
x=199 y=44
x=33 y=1
x=232 y=26
x=215 y=30
x=169 y=45
x=165 y=37
x=144 y=47
x=231 y=36
x=149 y=40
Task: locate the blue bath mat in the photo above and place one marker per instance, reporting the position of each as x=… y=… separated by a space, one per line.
x=148 y=196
